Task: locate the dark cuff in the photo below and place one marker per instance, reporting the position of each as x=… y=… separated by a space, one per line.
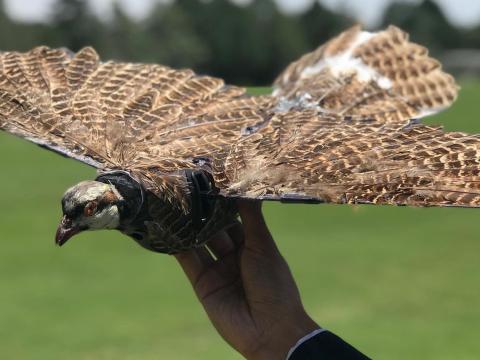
x=326 y=346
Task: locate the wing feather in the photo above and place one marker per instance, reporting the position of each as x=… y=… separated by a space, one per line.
x=338 y=127
x=76 y=102
x=417 y=165
x=115 y=115
x=380 y=76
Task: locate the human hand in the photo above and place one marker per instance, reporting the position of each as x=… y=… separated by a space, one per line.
x=247 y=288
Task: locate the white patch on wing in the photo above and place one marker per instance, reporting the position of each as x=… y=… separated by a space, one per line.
x=384 y=82
x=346 y=63
x=304 y=101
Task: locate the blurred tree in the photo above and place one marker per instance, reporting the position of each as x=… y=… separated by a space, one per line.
x=18 y=36
x=321 y=24
x=472 y=38
x=6 y=26
x=73 y=25
x=122 y=31
x=283 y=40
x=224 y=29
x=127 y=39
x=247 y=45
x=426 y=23
x=172 y=37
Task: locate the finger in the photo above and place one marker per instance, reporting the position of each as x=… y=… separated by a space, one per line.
x=257 y=235
x=236 y=233
x=251 y=215
x=221 y=244
x=195 y=262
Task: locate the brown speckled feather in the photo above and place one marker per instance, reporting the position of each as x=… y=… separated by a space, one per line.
x=141 y=118
x=375 y=76
x=339 y=127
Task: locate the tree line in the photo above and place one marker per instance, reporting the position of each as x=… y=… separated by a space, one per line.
x=246 y=45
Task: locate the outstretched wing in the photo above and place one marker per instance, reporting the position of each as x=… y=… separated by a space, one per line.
x=375 y=76
x=106 y=114
x=35 y=89
x=354 y=162
x=344 y=130
x=148 y=119
x=337 y=128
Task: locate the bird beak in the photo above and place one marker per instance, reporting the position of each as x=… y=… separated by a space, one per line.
x=65 y=231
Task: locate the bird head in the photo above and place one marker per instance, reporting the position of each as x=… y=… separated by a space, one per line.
x=89 y=205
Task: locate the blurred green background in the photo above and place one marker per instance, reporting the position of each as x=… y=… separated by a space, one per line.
x=398 y=283
x=245 y=45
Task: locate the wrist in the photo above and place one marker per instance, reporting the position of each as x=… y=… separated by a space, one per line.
x=284 y=336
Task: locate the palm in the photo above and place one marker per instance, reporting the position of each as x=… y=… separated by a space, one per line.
x=248 y=291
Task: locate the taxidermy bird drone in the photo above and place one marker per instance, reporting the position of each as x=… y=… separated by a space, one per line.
x=174 y=150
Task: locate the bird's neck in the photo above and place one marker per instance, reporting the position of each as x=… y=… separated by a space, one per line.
x=131 y=192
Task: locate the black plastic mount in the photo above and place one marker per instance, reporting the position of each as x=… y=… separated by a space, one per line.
x=201 y=190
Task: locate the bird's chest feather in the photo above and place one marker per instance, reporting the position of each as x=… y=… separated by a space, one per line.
x=163 y=227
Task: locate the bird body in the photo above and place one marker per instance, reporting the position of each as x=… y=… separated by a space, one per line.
x=159 y=225
x=174 y=150
x=117 y=201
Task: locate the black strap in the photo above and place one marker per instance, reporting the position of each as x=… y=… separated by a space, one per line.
x=131 y=191
x=201 y=189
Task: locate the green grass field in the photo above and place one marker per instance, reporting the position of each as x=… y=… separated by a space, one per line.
x=398 y=283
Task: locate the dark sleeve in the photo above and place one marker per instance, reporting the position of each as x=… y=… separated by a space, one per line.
x=326 y=346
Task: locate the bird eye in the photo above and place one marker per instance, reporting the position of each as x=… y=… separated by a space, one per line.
x=90 y=208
